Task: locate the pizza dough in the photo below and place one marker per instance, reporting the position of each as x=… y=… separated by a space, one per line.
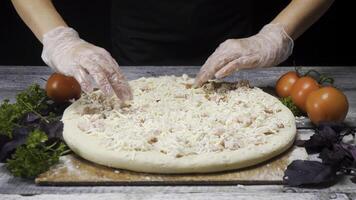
x=171 y=127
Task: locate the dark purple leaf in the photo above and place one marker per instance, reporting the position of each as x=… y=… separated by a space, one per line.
x=19 y=138
x=351 y=149
x=20 y=132
x=337 y=157
x=30 y=118
x=336 y=126
x=341 y=129
x=301 y=173
x=353 y=179
x=53 y=129
x=9 y=148
x=3 y=140
x=320 y=140
x=300 y=143
x=326 y=134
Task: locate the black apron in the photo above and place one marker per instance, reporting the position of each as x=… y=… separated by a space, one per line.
x=175 y=32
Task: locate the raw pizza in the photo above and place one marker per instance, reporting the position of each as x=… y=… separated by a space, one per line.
x=171 y=127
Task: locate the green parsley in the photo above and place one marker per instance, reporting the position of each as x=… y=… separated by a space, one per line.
x=33 y=99
x=35 y=156
x=9 y=114
x=288 y=102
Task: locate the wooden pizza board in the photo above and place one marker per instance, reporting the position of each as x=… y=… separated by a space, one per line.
x=76 y=171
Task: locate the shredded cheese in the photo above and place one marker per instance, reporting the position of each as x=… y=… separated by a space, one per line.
x=168 y=116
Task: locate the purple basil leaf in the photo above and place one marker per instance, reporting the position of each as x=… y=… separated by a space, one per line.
x=321 y=139
x=337 y=156
x=29 y=118
x=300 y=143
x=341 y=129
x=351 y=149
x=20 y=132
x=326 y=134
x=30 y=121
x=336 y=126
x=301 y=173
x=19 y=138
x=53 y=129
x=353 y=179
x=3 y=140
x=10 y=147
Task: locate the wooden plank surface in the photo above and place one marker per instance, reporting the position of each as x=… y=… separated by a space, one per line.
x=18 y=77
x=179 y=196
x=13 y=79
x=75 y=171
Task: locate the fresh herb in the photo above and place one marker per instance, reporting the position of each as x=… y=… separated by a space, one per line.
x=9 y=114
x=31 y=132
x=35 y=156
x=337 y=157
x=307 y=172
x=288 y=102
x=33 y=99
x=31 y=122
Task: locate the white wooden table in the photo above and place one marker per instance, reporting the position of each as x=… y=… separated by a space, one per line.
x=15 y=78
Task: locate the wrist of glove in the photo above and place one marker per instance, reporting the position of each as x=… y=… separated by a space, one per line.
x=271 y=46
x=65 y=52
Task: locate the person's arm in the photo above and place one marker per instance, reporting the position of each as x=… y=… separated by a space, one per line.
x=299 y=15
x=39 y=15
x=65 y=52
x=271 y=46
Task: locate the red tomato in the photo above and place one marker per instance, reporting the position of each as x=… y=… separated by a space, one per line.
x=327 y=104
x=285 y=83
x=62 y=88
x=301 y=89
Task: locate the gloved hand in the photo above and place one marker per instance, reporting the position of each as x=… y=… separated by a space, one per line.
x=66 y=53
x=269 y=47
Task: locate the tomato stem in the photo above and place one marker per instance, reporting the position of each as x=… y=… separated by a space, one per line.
x=325 y=79
x=312 y=71
x=320 y=77
x=297 y=70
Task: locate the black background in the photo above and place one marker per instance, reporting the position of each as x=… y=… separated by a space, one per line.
x=331 y=41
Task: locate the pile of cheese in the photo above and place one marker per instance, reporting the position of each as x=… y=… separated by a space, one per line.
x=169 y=116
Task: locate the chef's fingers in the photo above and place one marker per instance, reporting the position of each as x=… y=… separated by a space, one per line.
x=83 y=78
x=119 y=83
x=227 y=51
x=214 y=63
x=240 y=63
x=98 y=74
x=114 y=75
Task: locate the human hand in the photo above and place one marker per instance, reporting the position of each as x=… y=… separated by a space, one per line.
x=66 y=53
x=269 y=47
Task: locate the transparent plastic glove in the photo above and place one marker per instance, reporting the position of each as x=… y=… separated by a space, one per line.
x=269 y=47
x=66 y=53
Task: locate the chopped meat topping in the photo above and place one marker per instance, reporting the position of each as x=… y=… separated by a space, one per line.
x=179 y=155
x=168 y=116
x=152 y=140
